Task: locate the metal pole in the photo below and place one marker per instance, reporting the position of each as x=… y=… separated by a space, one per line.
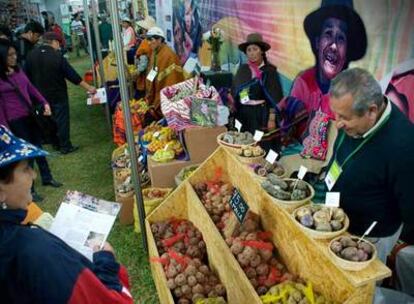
x=100 y=61
x=88 y=33
x=127 y=118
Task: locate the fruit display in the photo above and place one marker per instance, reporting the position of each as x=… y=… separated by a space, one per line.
x=290 y=292
x=183 y=256
x=286 y=189
x=163 y=156
x=321 y=218
x=256 y=254
x=348 y=248
x=238 y=138
x=138 y=106
x=215 y=196
x=150 y=130
x=266 y=168
x=250 y=151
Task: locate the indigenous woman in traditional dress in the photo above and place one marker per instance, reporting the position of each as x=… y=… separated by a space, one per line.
x=256 y=89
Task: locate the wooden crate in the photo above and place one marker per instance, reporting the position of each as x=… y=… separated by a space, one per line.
x=302 y=255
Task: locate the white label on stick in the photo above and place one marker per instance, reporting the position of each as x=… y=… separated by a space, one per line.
x=302 y=172
x=258 y=135
x=370 y=228
x=140 y=158
x=332 y=199
x=271 y=156
x=151 y=75
x=238 y=125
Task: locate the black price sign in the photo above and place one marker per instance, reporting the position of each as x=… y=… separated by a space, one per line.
x=239 y=206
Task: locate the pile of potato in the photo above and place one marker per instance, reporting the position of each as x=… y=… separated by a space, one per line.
x=182 y=251
x=347 y=248
x=267 y=168
x=215 y=197
x=238 y=138
x=321 y=218
x=255 y=254
x=286 y=190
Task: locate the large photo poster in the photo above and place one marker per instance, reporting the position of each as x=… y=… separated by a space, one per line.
x=388 y=27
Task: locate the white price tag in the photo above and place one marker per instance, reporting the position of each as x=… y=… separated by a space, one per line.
x=151 y=75
x=140 y=158
x=271 y=156
x=332 y=199
x=258 y=135
x=238 y=125
x=302 y=172
x=156 y=134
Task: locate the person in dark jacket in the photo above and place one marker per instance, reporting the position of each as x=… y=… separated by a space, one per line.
x=27 y=41
x=36 y=266
x=256 y=89
x=48 y=60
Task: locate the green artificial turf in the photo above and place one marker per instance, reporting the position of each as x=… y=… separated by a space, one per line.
x=88 y=170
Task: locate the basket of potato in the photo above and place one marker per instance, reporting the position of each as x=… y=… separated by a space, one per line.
x=321 y=222
x=288 y=192
x=233 y=140
x=351 y=254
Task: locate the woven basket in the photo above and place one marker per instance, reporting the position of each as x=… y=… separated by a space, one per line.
x=230 y=147
x=290 y=206
x=251 y=160
x=320 y=234
x=350 y=265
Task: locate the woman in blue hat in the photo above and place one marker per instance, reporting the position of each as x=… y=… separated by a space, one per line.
x=36 y=266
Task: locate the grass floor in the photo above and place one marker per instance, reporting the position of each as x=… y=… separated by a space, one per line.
x=88 y=170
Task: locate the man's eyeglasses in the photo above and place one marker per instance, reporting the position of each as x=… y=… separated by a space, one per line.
x=153 y=38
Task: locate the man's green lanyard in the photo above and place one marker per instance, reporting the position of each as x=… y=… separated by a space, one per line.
x=336 y=169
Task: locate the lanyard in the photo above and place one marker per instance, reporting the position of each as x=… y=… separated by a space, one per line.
x=341 y=140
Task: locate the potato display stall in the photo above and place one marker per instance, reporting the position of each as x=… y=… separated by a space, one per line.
x=303 y=256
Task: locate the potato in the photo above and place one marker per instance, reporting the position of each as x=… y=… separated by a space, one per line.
x=236 y=248
x=171 y=284
x=362 y=255
x=191 y=280
x=255 y=261
x=212 y=294
x=200 y=277
x=183 y=301
x=180 y=279
x=254 y=283
x=213 y=280
x=220 y=290
x=262 y=269
x=204 y=269
x=250 y=272
x=349 y=253
x=177 y=292
x=336 y=247
x=171 y=271
x=346 y=241
x=186 y=289
x=207 y=288
x=191 y=270
x=243 y=260
x=198 y=289
x=366 y=247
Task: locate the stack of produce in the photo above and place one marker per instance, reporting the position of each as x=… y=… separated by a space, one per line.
x=256 y=255
x=290 y=292
x=266 y=168
x=238 y=138
x=121 y=158
x=286 y=190
x=183 y=255
x=321 y=218
x=162 y=143
x=349 y=249
x=215 y=197
x=138 y=106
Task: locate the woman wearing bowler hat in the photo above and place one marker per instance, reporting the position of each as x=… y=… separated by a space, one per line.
x=256 y=88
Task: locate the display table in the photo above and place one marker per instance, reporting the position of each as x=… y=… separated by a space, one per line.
x=302 y=255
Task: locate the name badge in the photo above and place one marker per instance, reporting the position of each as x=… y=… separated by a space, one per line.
x=244 y=96
x=333 y=174
x=152 y=74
